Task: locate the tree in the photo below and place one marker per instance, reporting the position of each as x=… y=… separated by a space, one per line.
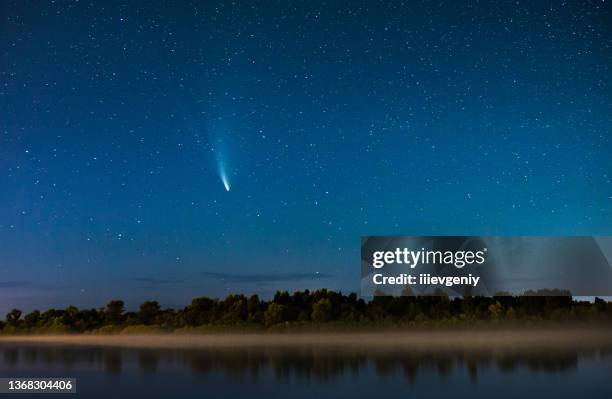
x=236 y=309
x=12 y=318
x=113 y=314
x=322 y=311
x=32 y=319
x=275 y=314
x=495 y=310
x=200 y=311
x=70 y=316
x=148 y=311
x=319 y=306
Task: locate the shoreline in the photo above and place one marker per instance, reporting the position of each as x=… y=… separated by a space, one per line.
x=543 y=338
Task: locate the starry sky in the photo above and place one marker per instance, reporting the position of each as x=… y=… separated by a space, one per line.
x=120 y=121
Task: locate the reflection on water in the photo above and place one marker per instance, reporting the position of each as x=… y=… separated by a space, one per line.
x=315 y=365
x=311 y=363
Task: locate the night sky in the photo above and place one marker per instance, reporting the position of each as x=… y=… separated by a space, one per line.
x=120 y=123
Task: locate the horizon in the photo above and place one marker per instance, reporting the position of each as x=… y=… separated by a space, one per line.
x=133 y=307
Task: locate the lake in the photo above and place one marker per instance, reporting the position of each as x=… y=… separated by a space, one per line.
x=315 y=372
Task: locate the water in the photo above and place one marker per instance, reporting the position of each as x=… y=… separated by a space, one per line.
x=311 y=372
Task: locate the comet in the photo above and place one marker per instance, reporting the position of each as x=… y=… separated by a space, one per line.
x=218 y=144
x=224 y=178
x=221 y=167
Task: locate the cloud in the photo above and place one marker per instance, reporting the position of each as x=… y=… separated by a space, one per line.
x=265 y=278
x=153 y=281
x=14 y=284
x=198 y=279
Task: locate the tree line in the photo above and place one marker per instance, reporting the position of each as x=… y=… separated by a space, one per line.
x=304 y=308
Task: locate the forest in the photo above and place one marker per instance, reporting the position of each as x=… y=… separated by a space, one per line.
x=313 y=309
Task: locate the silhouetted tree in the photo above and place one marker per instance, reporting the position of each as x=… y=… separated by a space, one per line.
x=12 y=317
x=274 y=314
x=322 y=311
x=113 y=314
x=320 y=306
x=254 y=310
x=32 y=319
x=148 y=311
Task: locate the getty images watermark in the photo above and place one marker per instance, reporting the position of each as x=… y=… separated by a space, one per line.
x=486 y=265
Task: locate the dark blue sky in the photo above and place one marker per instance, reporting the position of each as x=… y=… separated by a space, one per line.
x=331 y=120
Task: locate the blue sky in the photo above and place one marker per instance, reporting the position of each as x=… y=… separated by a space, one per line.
x=333 y=121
